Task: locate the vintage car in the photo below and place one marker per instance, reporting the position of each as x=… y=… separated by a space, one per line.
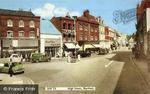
x=17 y=68
x=15 y=58
x=39 y=57
x=84 y=53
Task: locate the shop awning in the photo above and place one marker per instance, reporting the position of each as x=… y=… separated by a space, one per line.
x=72 y=46
x=25 y=49
x=87 y=46
x=97 y=45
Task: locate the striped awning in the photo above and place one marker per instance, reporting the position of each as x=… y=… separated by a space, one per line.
x=72 y=46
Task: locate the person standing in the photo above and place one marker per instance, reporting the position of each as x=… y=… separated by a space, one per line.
x=11 y=69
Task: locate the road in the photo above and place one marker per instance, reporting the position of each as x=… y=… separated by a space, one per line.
x=115 y=73
x=98 y=71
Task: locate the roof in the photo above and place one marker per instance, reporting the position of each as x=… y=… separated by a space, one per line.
x=16 y=12
x=91 y=19
x=49 y=27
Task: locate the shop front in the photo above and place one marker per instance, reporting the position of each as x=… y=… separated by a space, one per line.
x=51 y=45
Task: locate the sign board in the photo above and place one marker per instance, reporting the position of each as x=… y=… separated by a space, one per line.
x=52 y=42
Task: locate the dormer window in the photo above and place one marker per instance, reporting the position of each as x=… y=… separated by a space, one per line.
x=21 y=23
x=31 y=24
x=9 y=23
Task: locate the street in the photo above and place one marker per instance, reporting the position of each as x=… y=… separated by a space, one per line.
x=114 y=73
x=99 y=71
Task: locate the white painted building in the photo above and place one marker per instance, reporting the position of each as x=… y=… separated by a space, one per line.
x=148 y=19
x=122 y=40
x=51 y=44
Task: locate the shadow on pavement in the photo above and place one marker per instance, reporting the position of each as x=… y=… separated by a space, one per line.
x=121 y=56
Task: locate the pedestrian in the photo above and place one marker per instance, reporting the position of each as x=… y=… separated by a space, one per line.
x=11 y=69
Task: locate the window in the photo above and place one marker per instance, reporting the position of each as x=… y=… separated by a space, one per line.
x=96 y=37
x=86 y=27
x=92 y=29
x=64 y=25
x=85 y=37
x=80 y=27
x=21 y=23
x=81 y=36
x=73 y=27
x=32 y=34
x=9 y=23
x=92 y=38
x=9 y=33
x=69 y=26
x=21 y=33
x=96 y=30
x=31 y=24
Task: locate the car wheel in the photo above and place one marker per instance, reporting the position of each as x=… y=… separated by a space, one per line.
x=37 y=61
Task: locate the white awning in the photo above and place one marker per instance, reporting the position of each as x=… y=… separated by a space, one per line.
x=25 y=49
x=87 y=46
x=97 y=45
x=72 y=46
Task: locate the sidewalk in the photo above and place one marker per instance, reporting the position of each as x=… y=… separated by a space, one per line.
x=143 y=67
x=6 y=79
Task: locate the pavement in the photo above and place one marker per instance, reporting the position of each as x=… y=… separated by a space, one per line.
x=144 y=67
x=6 y=79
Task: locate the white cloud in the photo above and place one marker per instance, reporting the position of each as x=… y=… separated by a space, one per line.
x=49 y=10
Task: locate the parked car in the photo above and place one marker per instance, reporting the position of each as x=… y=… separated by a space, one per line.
x=84 y=53
x=39 y=57
x=15 y=58
x=17 y=68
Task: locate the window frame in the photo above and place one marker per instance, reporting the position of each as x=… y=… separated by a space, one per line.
x=31 y=34
x=21 y=25
x=9 y=23
x=32 y=24
x=19 y=33
x=9 y=32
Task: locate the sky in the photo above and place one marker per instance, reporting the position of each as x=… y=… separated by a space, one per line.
x=49 y=8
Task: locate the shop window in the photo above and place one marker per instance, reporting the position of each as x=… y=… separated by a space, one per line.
x=21 y=23
x=9 y=33
x=9 y=23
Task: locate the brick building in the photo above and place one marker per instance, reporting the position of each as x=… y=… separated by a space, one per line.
x=83 y=30
x=19 y=32
x=143 y=27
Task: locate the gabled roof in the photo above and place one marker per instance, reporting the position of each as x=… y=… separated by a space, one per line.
x=88 y=18
x=16 y=12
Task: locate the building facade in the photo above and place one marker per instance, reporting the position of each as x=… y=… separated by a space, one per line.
x=19 y=32
x=143 y=27
x=78 y=30
x=51 y=44
x=87 y=29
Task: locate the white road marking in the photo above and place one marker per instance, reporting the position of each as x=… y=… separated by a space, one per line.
x=107 y=65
